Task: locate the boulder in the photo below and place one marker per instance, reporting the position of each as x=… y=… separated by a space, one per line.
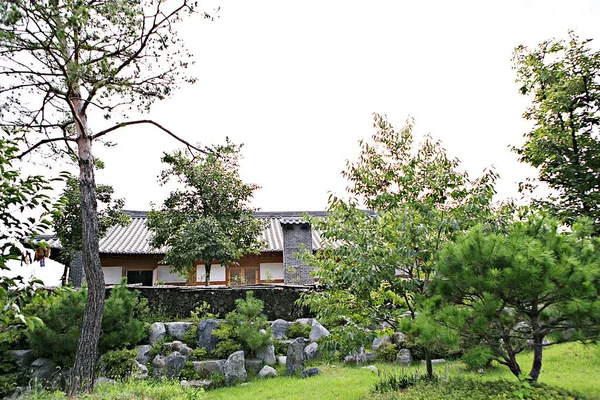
x=158 y=365
x=317 y=331
x=404 y=357
x=156 y=333
x=379 y=341
x=234 y=368
x=174 y=363
x=196 y=383
x=311 y=351
x=280 y=327
x=42 y=369
x=305 y=321
x=281 y=360
x=209 y=367
x=205 y=337
x=267 y=372
x=307 y=373
x=23 y=358
x=139 y=371
x=371 y=368
x=178 y=329
x=143 y=356
x=60 y=380
x=435 y=361
x=295 y=357
x=399 y=339
x=267 y=355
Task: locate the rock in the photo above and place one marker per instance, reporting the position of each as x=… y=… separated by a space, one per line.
x=311 y=351
x=158 y=365
x=317 y=331
x=399 y=338
x=253 y=364
x=209 y=366
x=369 y=356
x=60 y=380
x=234 y=368
x=404 y=357
x=199 y=383
x=205 y=337
x=185 y=350
x=143 y=356
x=178 y=329
x=267 y=372
x=379 y=341
x=267 y=355
x=435 y=361
x=371 y=368
x=174 y=363
x=281 y=360
x=42 y=369
x=104 y=381
x=295 y=357
x=307 y=373
x=305 y=321
x=23 y=358
x=280 y=327
x=156 y=333
x=358 y=357
x=139 y=371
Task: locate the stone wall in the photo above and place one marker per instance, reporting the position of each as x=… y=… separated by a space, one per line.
x=179 y=301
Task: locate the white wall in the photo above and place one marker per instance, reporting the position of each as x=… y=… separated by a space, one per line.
x=275 y=268
x=217 y=273
x=165 y=274
x=112 y=275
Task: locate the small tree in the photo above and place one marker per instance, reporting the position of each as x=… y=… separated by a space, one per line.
x=379 y=267
x=515 y=290
x=67 y=219
x=210 y=219
x=563 y=80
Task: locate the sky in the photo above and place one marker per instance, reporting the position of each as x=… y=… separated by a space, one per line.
x=298 y=81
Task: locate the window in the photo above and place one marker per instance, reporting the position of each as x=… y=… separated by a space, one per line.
x=243 y=275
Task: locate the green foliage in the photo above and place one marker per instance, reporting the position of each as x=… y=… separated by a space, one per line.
x=296 y=330
x=210 y=218
x=118 y=364
x=63 y=316
x=189 y=373
x=381 y=265
x=67 y=221
x=281 y=348
x=228 y=342
x=561 y=79
x=397 y=382
x=536 y=280
x=477 y=357
x=199 y=354
x=201 y=312
x=386 y=352
x=218 y=380
x=190 y=337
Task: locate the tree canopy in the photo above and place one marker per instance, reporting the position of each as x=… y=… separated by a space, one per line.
x=210 y=217
x=519 y=288
x=562 y=78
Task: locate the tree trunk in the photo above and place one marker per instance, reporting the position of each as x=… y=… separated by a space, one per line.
x=537 y=357
x=428 y=364
x=207 y=274
x=513 y=365
x=84 y=368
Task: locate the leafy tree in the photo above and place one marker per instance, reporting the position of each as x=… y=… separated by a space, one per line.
x=67 y=221
x=378 y=268
x=209 y=219
x=65 y=62
x=562 y=79
x=517 y=289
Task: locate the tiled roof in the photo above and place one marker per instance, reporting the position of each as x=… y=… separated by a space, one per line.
x=135 y=237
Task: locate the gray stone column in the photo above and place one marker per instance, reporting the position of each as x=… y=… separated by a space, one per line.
x=296 y=237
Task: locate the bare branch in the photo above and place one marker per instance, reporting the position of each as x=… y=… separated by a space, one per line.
x=151 y=122
x=44 y=141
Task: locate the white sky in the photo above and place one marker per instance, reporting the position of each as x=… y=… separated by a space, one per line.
x=297 y=83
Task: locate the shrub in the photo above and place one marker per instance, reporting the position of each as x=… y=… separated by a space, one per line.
x=189 y=373
x=118 y=364
x=201 y=312
x=218 y=380
x=297 y=330
x=227 y=343
x=281 y=348
x=63 y=316
x=199 y=354
x=396 y=382
x=477 y=357
x=190 y=337
x=386 y=352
